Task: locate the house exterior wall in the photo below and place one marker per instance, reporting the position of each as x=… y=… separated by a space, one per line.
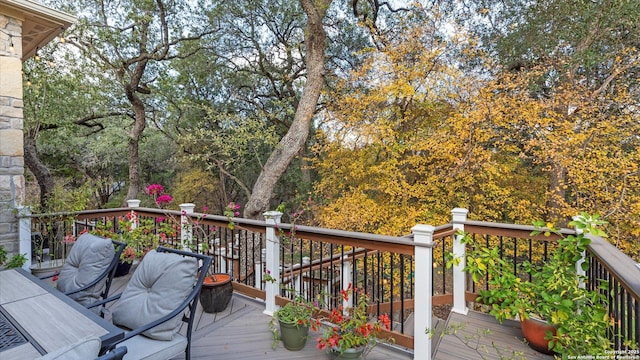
x=12 y=182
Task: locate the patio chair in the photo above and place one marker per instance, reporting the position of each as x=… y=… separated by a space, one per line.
x=161 y=295
x=87 y=273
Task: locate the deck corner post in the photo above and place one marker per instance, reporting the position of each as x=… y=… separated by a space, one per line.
x=133 y=218
x=346 y=270
x=459 y=216
x=579 y=271
x=423 y=314
x=273 y=260
x=186 y=230
x=24 y=234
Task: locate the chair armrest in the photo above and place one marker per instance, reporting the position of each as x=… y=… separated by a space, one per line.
x=105 y=301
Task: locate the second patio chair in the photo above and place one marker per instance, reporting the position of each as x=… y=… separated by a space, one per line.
x=161 y=295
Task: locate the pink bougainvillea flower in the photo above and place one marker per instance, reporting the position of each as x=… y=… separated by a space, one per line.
x=205 y=208
x=154 y=189
x=164 y=199
x=159 y=219
x=69 y=239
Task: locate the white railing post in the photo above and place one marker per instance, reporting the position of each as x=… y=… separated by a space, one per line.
x=347 y=279
x=423 y=313
x=133 y=218
x=273 y=260
x=186 y=230
x=459 y=252
x=24 y=234
x=581 y=273
x=133 y=203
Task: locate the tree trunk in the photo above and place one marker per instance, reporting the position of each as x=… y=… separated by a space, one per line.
x=138 y=127
x=295 y=138
x=556 y=194
x=39 y=169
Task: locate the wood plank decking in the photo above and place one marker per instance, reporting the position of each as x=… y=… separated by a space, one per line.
x=480 y=336
x=242 y=332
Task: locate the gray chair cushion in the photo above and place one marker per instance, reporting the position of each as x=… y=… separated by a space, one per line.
x=84 y=349
x=90 y=256
x=159 y=285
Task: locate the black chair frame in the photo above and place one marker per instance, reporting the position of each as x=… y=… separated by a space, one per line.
x=116 y=354
x=191 y=302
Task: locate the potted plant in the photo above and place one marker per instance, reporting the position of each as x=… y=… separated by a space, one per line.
x=51 y=251
x=140 y=234
x=555 y=294
x=291 y=323
x=54 y=237
x=16 y=261
x=216 y=292
x=351 y=333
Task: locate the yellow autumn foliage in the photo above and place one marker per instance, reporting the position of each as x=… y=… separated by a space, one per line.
x=407 y=137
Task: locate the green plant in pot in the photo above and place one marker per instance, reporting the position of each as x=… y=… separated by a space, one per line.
x=555 y=294
x=291 y=323
x=16 y=260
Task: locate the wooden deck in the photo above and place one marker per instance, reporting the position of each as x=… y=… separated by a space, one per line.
x=242 y=332
x=480 y=336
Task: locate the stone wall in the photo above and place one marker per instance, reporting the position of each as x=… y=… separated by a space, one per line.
x=12 y=183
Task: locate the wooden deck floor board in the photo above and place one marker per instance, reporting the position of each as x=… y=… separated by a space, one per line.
x=241 y=332
x=480 y=336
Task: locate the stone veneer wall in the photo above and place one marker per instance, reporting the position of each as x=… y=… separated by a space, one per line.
x=12 y=183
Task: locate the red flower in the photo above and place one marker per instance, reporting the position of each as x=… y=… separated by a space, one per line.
x=385 y=321
x=345 y=293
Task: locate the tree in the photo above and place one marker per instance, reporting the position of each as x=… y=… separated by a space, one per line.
x=243 y=90
x=57 y=121
x=296 y=136
x=411 y=156
x=131 y=42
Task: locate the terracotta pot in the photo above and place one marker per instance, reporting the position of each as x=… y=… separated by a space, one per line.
x=535 y=331
x=216 y=292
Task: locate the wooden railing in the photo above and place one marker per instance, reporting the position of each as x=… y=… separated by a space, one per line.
x=606 y=262
x=404 y=276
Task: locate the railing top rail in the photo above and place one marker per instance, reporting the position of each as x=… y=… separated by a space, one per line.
x=622 y=267
x=513 y=230
x=399 y=244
